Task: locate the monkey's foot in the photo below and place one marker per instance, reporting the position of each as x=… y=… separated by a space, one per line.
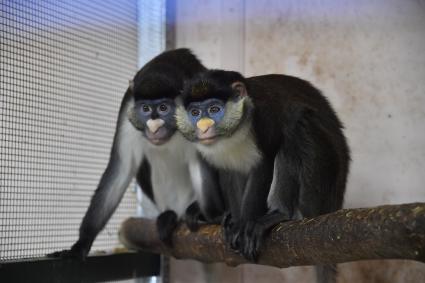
x=231 y=231
x=252 y=237
x=165 y=224
x=254 y=232
x=247 y=236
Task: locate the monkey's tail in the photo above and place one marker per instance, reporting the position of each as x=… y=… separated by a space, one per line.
x=326 y=273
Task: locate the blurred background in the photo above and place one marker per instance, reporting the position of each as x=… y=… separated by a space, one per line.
x=66 y=64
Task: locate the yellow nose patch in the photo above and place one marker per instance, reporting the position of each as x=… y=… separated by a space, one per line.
x=204 y=124
x=154 y=125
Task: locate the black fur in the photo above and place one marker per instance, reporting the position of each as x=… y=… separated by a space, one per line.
x=295 y=129
x=144 y=179
x=212 y=84
x=211 y=206
x=166 y=223
x=162 y=77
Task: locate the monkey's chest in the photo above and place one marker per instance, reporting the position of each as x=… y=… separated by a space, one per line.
x=171 y=180
x=239 y=154
x=172 y=187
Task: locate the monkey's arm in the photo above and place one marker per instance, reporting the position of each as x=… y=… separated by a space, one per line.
x=209 y=206
x=244 y=233
x=144 y=179
x=113 y=183
x=105 y=200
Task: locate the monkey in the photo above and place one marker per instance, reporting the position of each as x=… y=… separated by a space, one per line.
x=278 y=149
x=148 y=147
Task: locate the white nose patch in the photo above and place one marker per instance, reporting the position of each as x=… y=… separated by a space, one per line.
x=154 y=125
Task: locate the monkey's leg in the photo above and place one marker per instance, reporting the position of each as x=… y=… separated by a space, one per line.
x=233 y=186
x=212 y=202
x=321 y=191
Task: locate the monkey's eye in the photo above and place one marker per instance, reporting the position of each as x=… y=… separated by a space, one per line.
x=195 y=112
x=163 y=108
x=145 y=109
x=214 y=109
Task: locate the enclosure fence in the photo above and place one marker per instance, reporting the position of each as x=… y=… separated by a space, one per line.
x=64 y=67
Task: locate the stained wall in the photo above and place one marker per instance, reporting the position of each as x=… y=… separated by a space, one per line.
x=368 y=58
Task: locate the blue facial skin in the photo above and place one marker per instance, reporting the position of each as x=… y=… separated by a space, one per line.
x=164 y=109
x=210 y=108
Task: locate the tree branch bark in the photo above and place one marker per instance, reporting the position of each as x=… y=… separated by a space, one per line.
x=384 y=232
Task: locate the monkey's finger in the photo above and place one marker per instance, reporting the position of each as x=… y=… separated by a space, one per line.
x=236 y=235
x=251 y=241
x=228 y=228
x=260 y=232
x=227 y=220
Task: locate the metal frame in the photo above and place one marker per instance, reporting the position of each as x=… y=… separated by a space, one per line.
x=93 y=269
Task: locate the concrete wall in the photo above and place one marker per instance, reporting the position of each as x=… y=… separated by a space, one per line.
x=366 y=56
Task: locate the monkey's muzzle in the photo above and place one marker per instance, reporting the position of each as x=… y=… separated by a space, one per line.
x=206 y=131
x=154 y=125
x=204 y=124
x=156 y=132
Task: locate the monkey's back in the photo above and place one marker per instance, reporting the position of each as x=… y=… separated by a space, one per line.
x=287 y=92
x=283 y=101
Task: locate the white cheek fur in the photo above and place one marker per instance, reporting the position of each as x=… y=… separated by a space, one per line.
x=184 y=124
x=238 y=152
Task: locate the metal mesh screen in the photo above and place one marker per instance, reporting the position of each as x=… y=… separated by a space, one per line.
x=64 y=68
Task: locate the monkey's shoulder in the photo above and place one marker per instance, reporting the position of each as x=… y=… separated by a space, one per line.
x=279 y=93
x=280 y=86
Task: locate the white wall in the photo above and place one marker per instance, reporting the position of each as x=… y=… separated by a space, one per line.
x=368 y=57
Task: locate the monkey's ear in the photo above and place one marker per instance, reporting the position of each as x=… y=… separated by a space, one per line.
x=239 y=89
x=131 y=84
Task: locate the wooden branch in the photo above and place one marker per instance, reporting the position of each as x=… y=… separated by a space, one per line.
x=384 y=232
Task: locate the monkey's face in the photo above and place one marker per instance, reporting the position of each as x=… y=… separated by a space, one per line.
x=205 y=115
x=155 y=118
x=213 y=118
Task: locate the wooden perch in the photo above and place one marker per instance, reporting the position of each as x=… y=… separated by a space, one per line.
x=384 y=232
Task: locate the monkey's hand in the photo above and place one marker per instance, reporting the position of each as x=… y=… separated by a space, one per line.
x=193 y=216
x=165 y=224
x=79 y=251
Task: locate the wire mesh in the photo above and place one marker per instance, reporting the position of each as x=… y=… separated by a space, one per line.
x=64 y=67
